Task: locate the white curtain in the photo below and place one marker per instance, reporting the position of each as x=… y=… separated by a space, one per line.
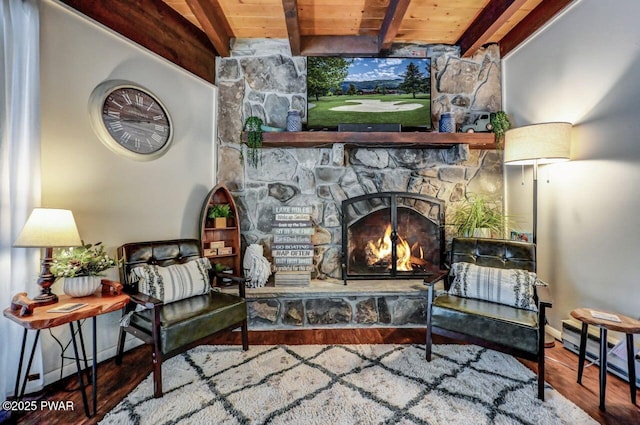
x=19 y=172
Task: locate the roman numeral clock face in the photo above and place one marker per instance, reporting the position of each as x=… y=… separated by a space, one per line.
x=130 y=121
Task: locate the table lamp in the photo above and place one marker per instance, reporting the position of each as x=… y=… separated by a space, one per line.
x=48 y=228
x=535 y=145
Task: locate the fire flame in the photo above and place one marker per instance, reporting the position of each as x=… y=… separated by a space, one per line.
x=380 y=250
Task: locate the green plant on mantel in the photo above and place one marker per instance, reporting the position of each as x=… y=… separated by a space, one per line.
x=500 y=124
x=253 y=129
x=477 y=212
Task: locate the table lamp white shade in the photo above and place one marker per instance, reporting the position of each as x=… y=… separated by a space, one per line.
x=48 y=227
x=543 y=143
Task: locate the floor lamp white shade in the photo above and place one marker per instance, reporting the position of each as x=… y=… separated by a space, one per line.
x=537 y=144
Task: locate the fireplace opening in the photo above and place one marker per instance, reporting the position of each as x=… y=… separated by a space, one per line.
x=392 y=235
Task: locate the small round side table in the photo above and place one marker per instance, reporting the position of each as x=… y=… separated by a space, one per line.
x=627 y=325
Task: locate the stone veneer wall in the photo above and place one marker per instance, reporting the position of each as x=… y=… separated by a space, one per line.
x=262 y=79
x=327 y=304
x=333 y=310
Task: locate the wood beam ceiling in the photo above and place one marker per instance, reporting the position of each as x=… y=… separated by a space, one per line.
x=531 y=23
x=391 y=23
x=293 y=25
x=340 y=45
x=157 y=27
x=492 y=17
x=344 y=45
x=214 y=24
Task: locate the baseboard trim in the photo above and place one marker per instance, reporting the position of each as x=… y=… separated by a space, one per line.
x=553 y=332
x=70 y=367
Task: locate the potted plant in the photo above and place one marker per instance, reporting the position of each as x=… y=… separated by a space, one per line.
x=220 y=213
x=477 y=216
x=81 y=267
x=253 y=129
x=500 y=124
x=221 y=268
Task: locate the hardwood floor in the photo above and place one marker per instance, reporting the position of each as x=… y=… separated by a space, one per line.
x=115 y=382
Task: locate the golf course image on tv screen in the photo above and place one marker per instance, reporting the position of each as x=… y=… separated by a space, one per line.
x=368 y=91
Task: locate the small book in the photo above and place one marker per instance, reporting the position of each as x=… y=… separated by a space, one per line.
x=605 y=316
x=67 y=308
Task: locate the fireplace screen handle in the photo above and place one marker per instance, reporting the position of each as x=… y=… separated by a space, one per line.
x=394 y=252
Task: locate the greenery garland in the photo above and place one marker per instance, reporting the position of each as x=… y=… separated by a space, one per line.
x=500 y=124
x=253 y=129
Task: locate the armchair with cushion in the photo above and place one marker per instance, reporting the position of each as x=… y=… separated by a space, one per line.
x=492 y=299
x=173 y=306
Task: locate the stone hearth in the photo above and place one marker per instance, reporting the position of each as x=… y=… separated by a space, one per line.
x=331 y=304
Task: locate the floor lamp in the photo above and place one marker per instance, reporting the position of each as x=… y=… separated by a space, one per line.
x=535 y=145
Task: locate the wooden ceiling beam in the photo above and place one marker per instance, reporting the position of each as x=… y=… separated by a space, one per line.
x=347 y=45
x=492 y=17
x=213 y=23
x=391 y=23
x=156 y=27
x=531 y=23
x=293 y=25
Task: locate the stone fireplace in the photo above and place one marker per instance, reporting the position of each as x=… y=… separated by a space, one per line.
x=264 y=80
x=392 y=235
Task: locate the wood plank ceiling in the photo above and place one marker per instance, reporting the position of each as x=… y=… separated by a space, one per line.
x=320 y=27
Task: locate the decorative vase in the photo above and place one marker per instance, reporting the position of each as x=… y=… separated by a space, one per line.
x=447 y=123
x=294 y=122
x=81 y=286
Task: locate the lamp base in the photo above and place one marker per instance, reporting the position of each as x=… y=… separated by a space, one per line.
x=45 y=299
x=45 y=280
x=549 y=340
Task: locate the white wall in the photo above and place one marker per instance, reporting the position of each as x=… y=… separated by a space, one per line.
x=584 y=68
x=115 y=199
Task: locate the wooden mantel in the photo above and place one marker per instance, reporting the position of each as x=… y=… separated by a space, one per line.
x=319 y=139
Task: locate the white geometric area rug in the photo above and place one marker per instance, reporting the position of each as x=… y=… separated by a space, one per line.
x=345 y=384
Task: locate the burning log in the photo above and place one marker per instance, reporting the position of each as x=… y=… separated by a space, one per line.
x=378 y=253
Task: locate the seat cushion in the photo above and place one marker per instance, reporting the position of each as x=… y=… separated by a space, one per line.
x=498 y=323
x=185 y=321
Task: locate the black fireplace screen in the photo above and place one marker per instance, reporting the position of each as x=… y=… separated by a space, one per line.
x=392 y=235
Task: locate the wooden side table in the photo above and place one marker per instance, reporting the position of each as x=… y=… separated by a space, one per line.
x=627 y=325
x=97 y=304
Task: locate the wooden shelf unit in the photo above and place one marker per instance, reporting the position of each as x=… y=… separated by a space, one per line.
x=229 y=235
x=433 y=140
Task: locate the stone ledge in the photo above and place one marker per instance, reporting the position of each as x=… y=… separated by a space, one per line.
x=333 y=287
x=331 y=304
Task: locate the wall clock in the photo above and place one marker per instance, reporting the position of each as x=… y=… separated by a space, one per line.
x=130 y=120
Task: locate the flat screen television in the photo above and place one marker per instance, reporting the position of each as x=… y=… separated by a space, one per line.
x=367 y=91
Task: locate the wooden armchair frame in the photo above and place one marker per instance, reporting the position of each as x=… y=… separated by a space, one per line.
x=501 y=254
x=166 y=253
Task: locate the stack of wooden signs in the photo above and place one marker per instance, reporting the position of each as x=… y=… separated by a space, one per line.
x=292 y=249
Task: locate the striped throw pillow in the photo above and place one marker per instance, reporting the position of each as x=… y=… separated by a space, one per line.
x=175 y=282
x=512 y=287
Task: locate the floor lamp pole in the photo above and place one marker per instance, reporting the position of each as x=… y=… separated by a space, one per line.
x=549 y=340
x=535 y=202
